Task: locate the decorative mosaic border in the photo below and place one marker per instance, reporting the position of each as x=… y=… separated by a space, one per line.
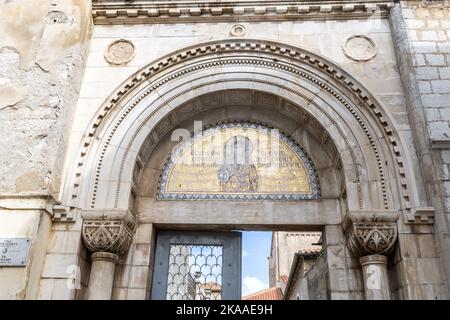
x=314 y=181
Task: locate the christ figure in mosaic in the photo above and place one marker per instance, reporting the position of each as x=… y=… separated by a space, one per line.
x=237 y=173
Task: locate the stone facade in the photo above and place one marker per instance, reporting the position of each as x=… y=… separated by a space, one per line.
x=90 y=94
x=424 y=29
x=41 y=74
x=437 y=59
x=283 y=249
x=309 y=282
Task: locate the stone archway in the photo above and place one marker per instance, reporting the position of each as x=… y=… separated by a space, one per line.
x=135 y=117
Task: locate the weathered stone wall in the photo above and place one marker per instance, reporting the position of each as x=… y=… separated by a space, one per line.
x=317 y=280
x=42 y=53
x=424 y=62
x=428 y=29
x=344 y=276
x=43 y=47
x=314 y=284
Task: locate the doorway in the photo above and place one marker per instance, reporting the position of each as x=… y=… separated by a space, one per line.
x=197 y=266
x=235 y=265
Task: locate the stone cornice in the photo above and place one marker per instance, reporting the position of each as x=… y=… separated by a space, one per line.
x=111 y=215
x=424 y=215
x=26 y=201
x=368 y=216
x=22 y=201
x=146 y=11
x=440 y=144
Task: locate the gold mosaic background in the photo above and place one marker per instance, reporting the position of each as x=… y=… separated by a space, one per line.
x=195 y=171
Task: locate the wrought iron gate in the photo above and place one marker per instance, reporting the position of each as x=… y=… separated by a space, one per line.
x=197 y=266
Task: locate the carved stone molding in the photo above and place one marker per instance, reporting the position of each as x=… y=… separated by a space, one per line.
x=145 y=11
x=107 y=236
x=105 y=256
x=440 y=144
x=370 y=233
x=62 y=213
x=216 y=50
x=38 y=201
x=423 y=215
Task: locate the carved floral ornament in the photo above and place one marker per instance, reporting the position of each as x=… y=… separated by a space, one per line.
x=107 y=236
x=369 y=234
x=372 y=238
x=294 y=55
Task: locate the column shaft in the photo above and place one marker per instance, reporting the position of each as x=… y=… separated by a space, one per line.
x=375 y=274
x=102 y=275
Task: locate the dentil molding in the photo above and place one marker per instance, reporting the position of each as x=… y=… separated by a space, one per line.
x=166 y=11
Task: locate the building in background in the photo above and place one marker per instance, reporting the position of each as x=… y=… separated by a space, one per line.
x=295 y=257
x=285 y=246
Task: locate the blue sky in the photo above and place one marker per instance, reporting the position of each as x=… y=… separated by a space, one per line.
x=255 y=265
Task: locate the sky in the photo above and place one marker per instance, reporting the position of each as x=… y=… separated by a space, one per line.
x=255 y=265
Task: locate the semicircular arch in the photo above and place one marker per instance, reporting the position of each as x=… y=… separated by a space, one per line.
x=361 y=129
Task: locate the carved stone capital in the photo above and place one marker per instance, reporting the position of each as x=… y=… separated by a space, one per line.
x=107 y=236
x=370 y=233
x=371 y=238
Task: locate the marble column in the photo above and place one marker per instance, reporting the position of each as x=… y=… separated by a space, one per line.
x=371 y=237
x=106 y=240
x=375 y=274
x=102 y=275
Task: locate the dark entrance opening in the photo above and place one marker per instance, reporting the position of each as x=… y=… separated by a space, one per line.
x=197 y=266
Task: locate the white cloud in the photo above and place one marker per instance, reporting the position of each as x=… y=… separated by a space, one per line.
x=244 y=253
x=251 y=285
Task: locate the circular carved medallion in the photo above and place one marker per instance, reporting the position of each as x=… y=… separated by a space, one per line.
x=359 y=48
x=119 y=52
x=238 y=30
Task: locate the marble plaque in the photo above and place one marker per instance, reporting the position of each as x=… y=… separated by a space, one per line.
x=14 y=251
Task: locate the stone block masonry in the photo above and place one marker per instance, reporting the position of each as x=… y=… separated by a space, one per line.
x=43 y=46
x=427 y=25
x=428 y=29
